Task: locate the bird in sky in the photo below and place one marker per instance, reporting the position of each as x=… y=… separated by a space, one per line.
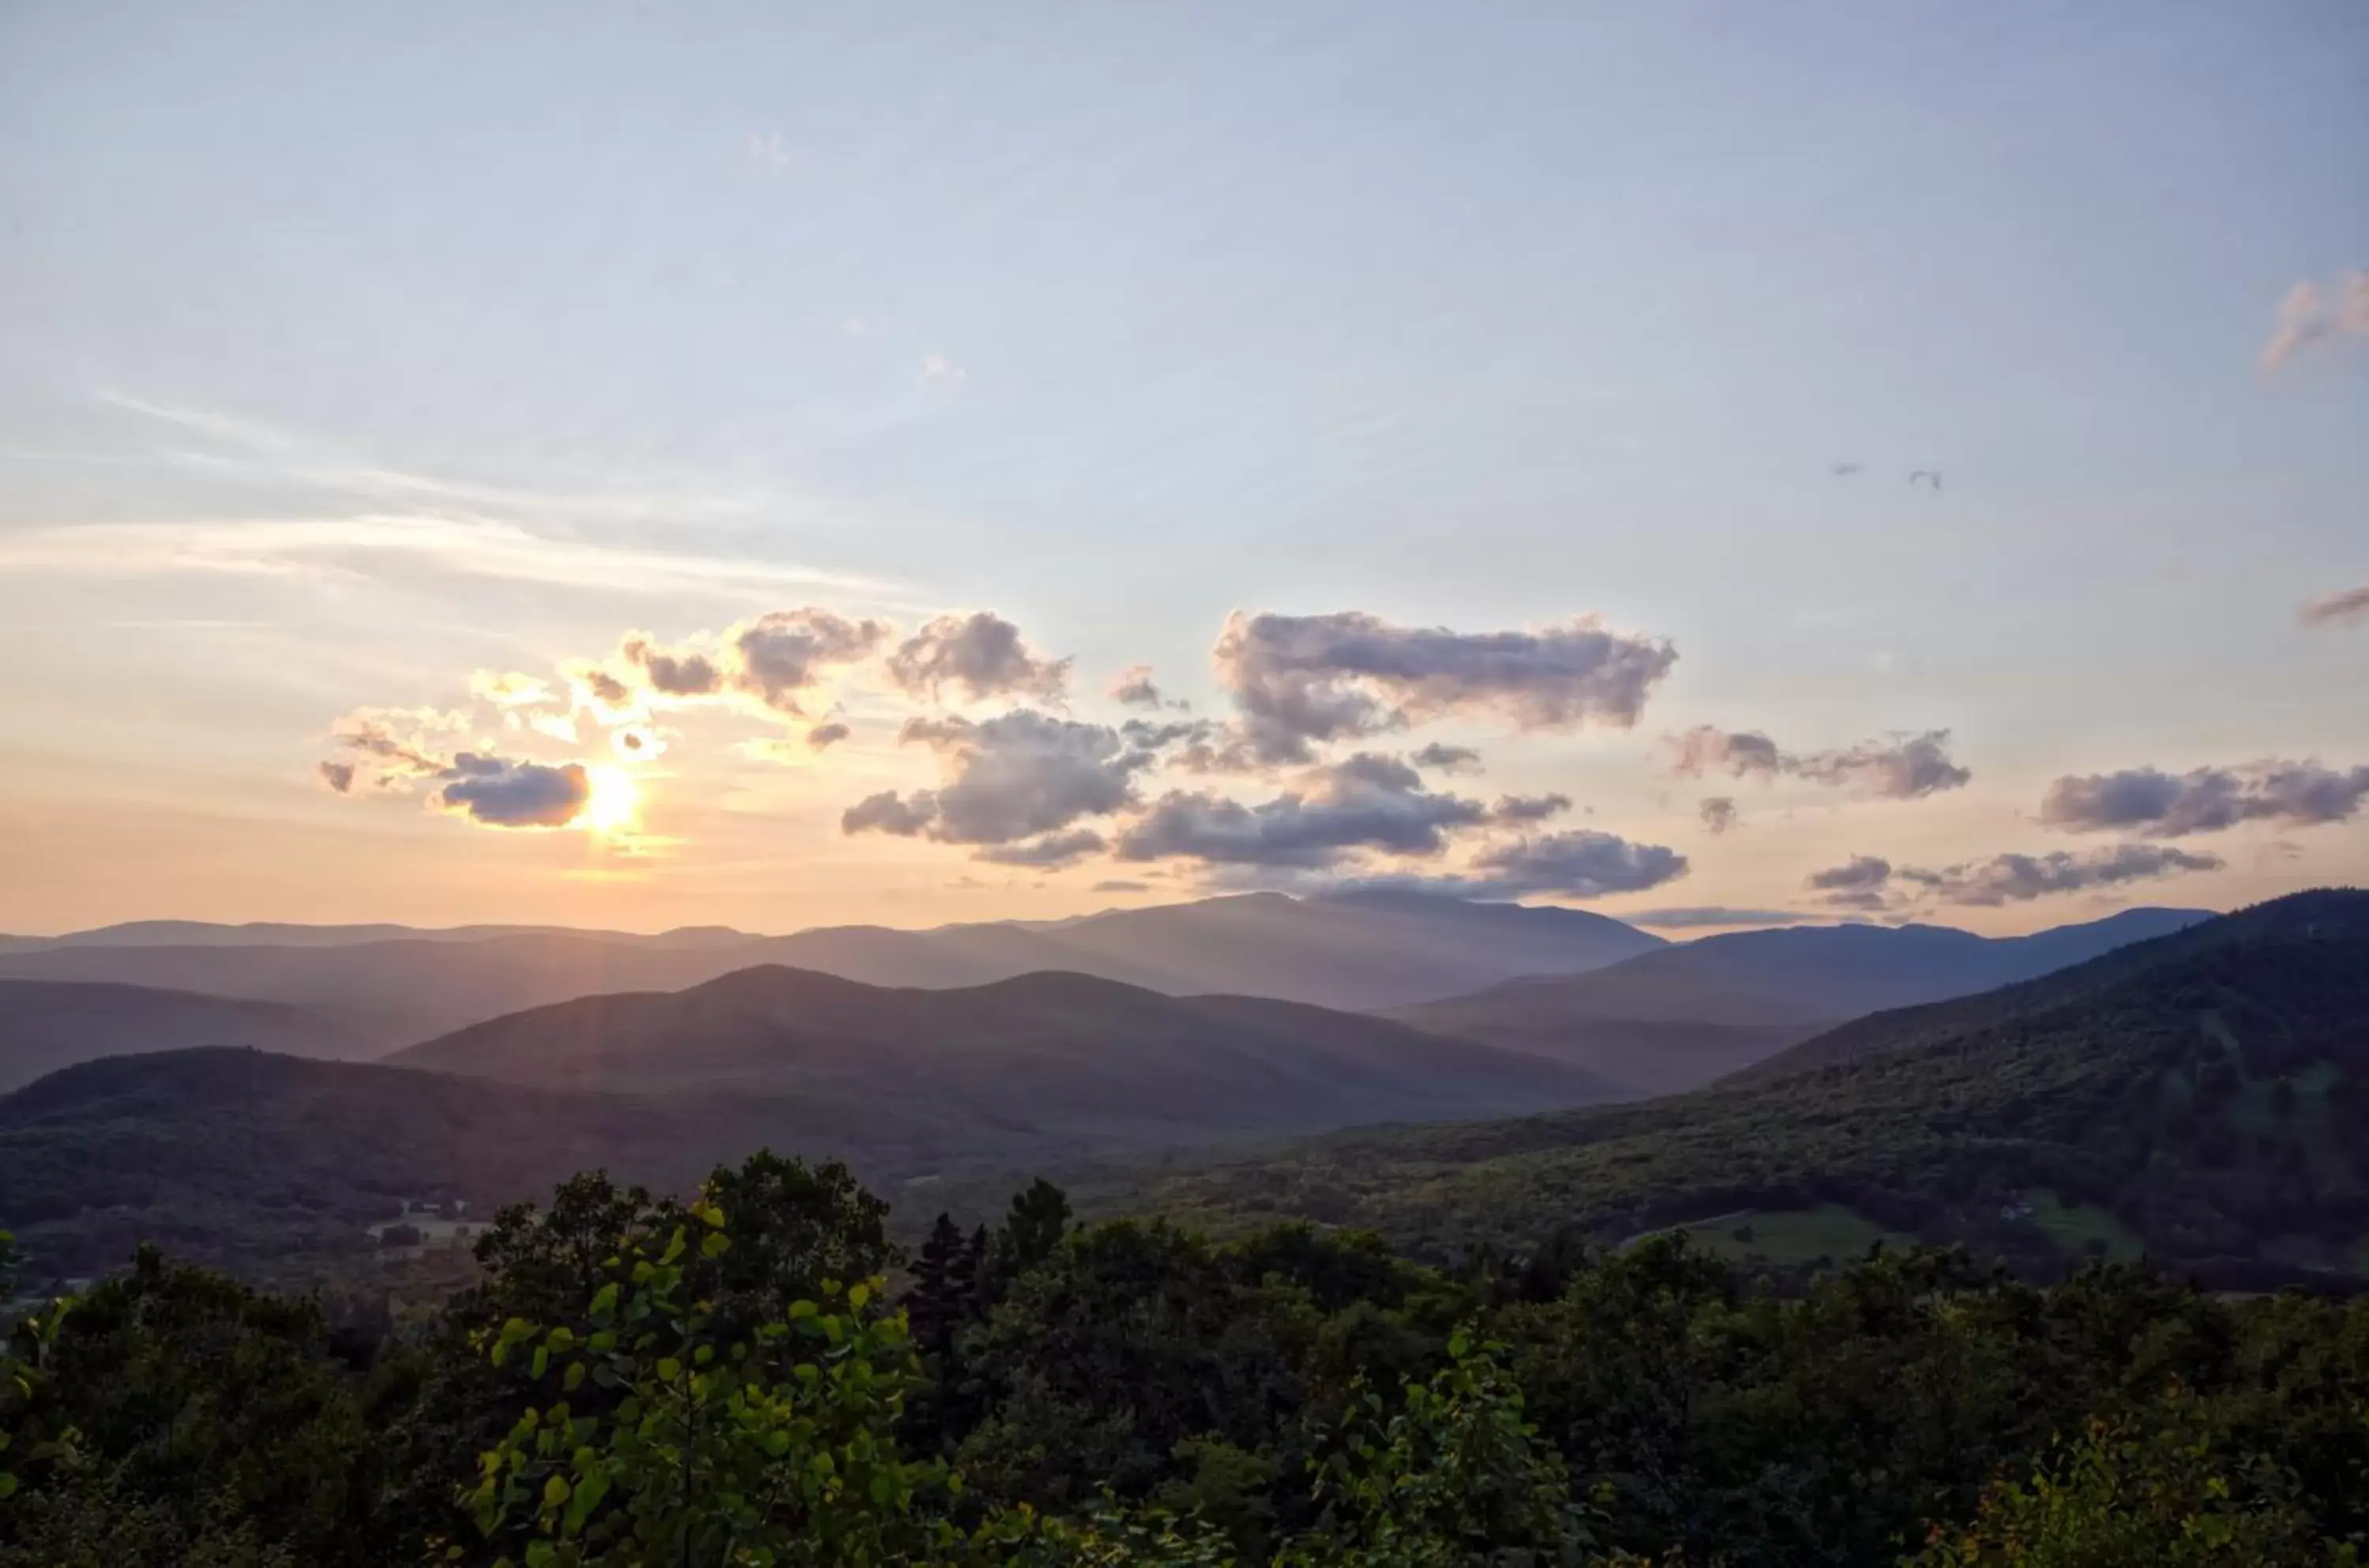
x=1846 y=470
x=1927 y=477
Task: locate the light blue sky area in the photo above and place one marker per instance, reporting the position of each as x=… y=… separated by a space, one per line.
x=1116 y=318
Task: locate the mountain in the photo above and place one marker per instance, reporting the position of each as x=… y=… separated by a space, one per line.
x=2204 y=1096
x=1901 y=1028
x=247 y=1159
x=1064 y=1056
x=1681 y=1017
x=45 y=1026
x=1352 y=953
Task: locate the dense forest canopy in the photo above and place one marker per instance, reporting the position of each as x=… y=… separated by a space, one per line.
x=756 y=1375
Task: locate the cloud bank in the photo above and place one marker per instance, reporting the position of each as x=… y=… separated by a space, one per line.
x=2203 y=800
x=1300 y=680
x=1904 y=767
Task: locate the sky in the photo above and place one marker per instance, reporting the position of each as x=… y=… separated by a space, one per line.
x=634 y=466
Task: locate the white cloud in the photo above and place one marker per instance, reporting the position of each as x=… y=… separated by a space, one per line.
x=323 y=548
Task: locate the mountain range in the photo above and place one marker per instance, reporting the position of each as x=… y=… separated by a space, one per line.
x=2202 y=1096
x=1682 y=1015
x=1352 y=953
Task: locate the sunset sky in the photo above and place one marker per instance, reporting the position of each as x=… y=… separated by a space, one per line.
x=776 y=465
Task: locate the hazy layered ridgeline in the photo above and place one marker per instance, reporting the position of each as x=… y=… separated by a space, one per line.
x=1678 y=1017
x=1347 y=953
x=2203 y=1096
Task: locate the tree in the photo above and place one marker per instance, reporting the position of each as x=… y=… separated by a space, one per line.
x=1033 y=1226
x=2134 y=1492
x=669 y=1445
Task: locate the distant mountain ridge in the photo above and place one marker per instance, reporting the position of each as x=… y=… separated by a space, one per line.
x=2205 y=1092
x=1681 y=1017
x=1343 y=952
x=1066 y=1054
x=242 y=1156
x=49 y=1025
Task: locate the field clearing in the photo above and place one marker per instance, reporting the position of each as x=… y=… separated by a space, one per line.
x=2075 y=1226
x=1795 y=1238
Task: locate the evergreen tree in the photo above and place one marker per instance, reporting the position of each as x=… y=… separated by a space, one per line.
x=1033 y=1226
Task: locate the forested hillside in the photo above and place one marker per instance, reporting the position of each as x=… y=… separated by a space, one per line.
x=2205 y=1098
x=730 y=1379
x=1680 y=1016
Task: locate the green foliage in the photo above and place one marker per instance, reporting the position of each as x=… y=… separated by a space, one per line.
x=675 y=1438
x=176 y=1416
x=635 y=1380
x=2146 y=1490
x=1454 y=1475
x=2140 y=1103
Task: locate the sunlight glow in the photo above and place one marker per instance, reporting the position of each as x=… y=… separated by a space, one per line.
x=614 y=804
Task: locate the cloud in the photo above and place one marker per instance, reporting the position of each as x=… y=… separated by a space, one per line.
x=2203 y=800
x=1857 y=875
x=772 y=664
x=823 y=736
x=1299 y=679
x=1367 y=801
x=402 y=743
x=981 y=654
x=1864 y=882
x=886 y=812
x=1442 y=759
x=2310 y=315
x=1742 y=753
x=1051 y=851
x=510 y=689
x=1529 y=808
x=1904 y=767
x=2347 y=608
x=1014 y=776
x=347 y=547
x=1134 y=687
x=672 y=672
x=405 y=746
x=1120 y=885
x=636 y=743
x=2017 y=878
x=1718 y=813
x=1696 y=916
x=499 y=793
x=769 y=154
x=785 y=653
x=1581 y=863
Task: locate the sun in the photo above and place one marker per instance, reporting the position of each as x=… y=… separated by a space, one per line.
x=612 y=803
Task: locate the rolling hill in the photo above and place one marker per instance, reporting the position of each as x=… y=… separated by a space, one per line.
x=1679 y=1017
x=1063 y=1054
x=252 y=1159
x=1352 y=953
x=45 y=1026
x=247 y=1159
x=2205 y=1095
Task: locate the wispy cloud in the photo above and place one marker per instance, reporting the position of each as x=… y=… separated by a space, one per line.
x=361 y=546
x=769 y=154
x=2311 y=315
x=2349 y=607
